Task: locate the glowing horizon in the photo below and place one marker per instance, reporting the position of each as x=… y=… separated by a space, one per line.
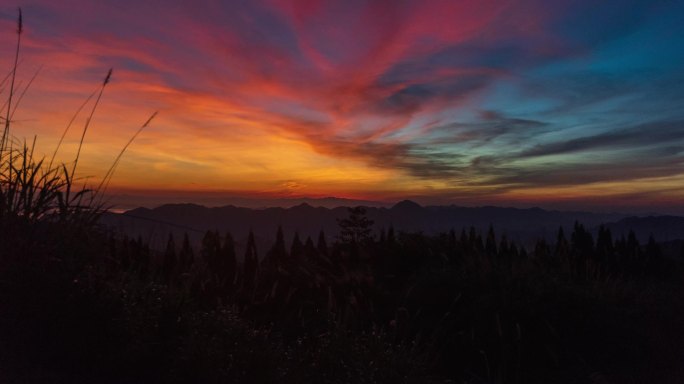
x=479 y=102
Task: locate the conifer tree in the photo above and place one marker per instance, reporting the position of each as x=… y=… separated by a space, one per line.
x=562 y=247
x=504 y=248
x=541 y=250
x=490 y=245
x=391 y=238
x=514 y=251
x=185 y=256
x=634 y=254
x=125 y=254
x=228 y=260
x=297 y=248
x=278 y=251
x=654 y=256
x=464 y=240
x=251 y=263
x=604 y=245
x=211 y=246
x=356 y=228
x=322 y=245
x=170 y=261
x=309 y=248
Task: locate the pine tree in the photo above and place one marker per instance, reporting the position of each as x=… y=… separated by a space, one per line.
x=634 y=254
x=185 y=256
x=322 y=245
x=504 y=248
x=464 y=241
x=170 y=261
x=142 y=257
x=356 y=228
x=541 y=250
x=654 y=256
x=211 y=246
x=604 y=246
x=125 y=254
x=391 y=238
x=277 y=255
x=514 y=252
x=582 y=241
x=582 y=245
x=562 y=249
x=228 y=264
x=490 y=245
x=251 y=263
x=297 y=248
x=309 y=249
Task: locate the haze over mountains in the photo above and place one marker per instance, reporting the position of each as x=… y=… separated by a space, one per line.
x=521 y=225
x=127 y=201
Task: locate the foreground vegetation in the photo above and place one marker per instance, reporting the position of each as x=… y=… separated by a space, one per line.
x=81 y=304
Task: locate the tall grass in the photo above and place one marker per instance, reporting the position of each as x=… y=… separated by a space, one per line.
x=6 y=132
x=33 y=189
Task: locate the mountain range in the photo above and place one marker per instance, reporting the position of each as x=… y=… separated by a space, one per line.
x=521 y=225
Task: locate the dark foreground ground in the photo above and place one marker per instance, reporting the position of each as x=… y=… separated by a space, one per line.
x=81 y=305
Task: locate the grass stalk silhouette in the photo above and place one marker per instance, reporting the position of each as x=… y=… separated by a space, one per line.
x=32 y=189
x=90 y=118
x=108 y=176
x=66 y=130
x=4 y=80
x=23 y=92
x=5 y=133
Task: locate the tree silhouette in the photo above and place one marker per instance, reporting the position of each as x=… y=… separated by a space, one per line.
x=490 y=244
x=356 y=228
x=562 y=247
x=297 y=248
x=170 y=261
x=211 y=246
x=322 y=245
x=604 y=246
x=309 y=249
x=654 y=257
x=185 y=256
x=278 y=253
x=251 y=264
x=391 y=238
x=227 y=261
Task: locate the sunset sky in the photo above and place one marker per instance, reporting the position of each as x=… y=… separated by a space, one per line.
x=558 y=104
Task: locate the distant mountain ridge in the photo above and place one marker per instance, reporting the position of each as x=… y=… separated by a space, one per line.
x=663 y=228
x=131 y=201
x=521 y=225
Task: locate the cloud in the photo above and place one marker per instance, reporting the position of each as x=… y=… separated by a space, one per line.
x=643 y=135
x=480 y=94
x=490 y=126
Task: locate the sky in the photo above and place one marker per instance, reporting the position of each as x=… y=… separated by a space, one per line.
x=557 y=104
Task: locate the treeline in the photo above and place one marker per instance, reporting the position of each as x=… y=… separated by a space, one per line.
x=314 y=278
x=403 y=284
x=367 y=306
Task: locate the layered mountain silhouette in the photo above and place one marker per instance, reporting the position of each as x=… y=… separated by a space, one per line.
x=131 y=201
x=663 y=228
x=521 y=225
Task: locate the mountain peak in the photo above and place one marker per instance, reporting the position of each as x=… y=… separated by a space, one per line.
x=407 y=205
x=303 y=205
